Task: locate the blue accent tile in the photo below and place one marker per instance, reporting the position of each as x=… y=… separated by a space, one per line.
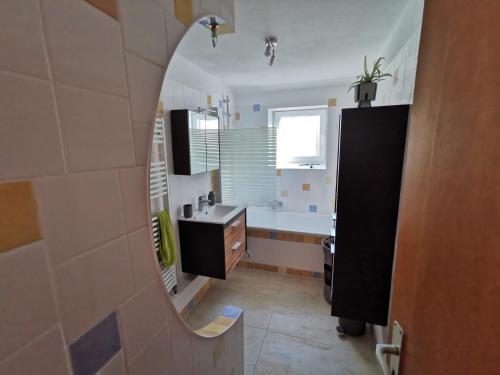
x=220 y=103
x=317 y=275
x=232 y=312
x=273 y=235
x=256 y=107
x=96 y=347
x=313 y=208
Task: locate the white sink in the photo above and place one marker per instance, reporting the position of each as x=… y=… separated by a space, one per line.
x=218 y=214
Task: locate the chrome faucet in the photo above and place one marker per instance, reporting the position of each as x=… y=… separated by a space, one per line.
x=276 y=204
x=202 y=200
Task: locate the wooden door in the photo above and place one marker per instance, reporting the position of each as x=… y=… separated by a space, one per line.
x=447 y=270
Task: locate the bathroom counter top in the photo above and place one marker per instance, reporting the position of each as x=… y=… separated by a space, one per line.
x=218 y=214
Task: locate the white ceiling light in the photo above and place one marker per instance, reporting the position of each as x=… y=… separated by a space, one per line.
x=212 y=23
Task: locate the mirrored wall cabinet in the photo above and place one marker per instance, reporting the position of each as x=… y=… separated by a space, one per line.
x=195 y=141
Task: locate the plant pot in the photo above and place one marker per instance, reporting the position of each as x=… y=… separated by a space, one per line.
x=364 y=93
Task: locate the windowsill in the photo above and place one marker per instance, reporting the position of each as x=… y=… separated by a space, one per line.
x=297 y=166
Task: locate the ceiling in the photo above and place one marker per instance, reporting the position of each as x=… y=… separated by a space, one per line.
x=320 y=42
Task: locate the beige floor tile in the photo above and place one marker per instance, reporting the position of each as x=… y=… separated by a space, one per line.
x=304 y=302
x=249 y=369
x=254 y=337
x=251 y=281
x=288 y=325
x=322 y=329
x=283 y=354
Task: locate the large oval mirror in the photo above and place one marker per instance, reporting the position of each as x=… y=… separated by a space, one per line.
x=244 y=167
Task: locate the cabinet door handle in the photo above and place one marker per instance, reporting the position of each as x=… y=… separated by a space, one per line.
x=236 y=245
x=236 y=224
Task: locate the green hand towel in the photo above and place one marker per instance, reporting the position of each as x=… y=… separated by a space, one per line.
x=167 y=248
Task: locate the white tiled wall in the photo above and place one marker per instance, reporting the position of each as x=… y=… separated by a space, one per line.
x=399 y=88
x=290 y=182
x=78 y=93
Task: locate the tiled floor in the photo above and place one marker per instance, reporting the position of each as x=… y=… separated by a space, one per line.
x=288 y=327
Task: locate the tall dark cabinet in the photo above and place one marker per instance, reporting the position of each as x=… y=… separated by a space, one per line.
x=370 y=166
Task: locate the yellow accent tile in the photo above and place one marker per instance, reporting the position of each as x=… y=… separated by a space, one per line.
x=184 y=11
x=332 y=102
x=329 y=180
x=284 y=193
x=224 y=321
x=237 y=116
x=107 y=6
x=306 y=187
x=225 y=29
x=160 y=110
x=19 y=223
x=278 y=172
x=209 y=99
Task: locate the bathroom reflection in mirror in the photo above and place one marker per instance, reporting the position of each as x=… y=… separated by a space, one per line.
x=245 y=151
x=184 y=175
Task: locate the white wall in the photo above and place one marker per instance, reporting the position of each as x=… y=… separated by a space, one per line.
x=401 y=52
x=290 y=183
x=186 y=86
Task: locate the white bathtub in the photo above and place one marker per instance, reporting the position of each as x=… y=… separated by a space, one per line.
x=299 y=222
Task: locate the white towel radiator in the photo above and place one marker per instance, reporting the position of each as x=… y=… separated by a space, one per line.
x=159 y=196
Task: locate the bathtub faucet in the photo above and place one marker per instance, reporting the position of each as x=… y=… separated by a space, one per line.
x=276 y=204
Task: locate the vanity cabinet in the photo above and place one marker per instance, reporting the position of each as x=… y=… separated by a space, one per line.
x=195 y=141
x=211 y=249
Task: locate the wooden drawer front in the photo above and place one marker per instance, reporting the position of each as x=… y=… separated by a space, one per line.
x=234 y=241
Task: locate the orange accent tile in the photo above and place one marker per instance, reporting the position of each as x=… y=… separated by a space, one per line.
x=237 y=116
x=306 y=187
x=332 y=102
x=286 y=236
x=109 y=7
x=308 y=239
x=209 y=100
x=278 y=172
x=299 y=238
x=19 y=223
x=297 y=272
x=258 y=233
x=184 y=11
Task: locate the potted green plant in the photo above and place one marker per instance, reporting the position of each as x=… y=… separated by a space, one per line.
x=365 y=86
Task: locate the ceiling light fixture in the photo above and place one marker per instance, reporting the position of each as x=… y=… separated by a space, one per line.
x=271 y=44
x=212 y=23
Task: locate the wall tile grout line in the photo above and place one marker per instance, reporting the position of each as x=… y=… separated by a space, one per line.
x=68 y=261
x=53 y=89
x=56 y=304
x=36 y=338
x=127 y=85
x=146 y=344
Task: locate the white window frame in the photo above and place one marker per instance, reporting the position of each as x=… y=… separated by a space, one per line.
x=316 y=162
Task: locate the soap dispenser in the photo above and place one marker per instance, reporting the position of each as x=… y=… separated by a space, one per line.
x=211 y=198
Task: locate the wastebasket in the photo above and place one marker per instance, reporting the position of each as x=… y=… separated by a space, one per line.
x=328 y=253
